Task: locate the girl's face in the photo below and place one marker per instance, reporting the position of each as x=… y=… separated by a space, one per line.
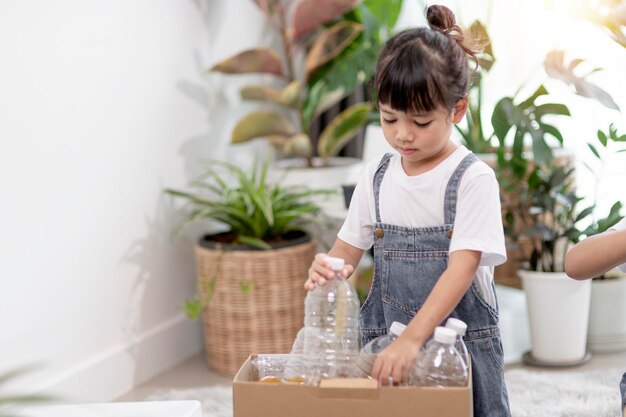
x=423 y=139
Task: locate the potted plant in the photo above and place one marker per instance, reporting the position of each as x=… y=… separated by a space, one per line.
x=251 y=275
x=558 y=306
x=324 y=52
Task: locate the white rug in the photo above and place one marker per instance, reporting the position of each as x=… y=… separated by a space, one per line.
x=532 y=393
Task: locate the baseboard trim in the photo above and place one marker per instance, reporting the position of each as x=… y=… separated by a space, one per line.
x=112 y=373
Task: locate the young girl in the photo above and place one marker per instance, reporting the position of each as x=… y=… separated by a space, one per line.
x=596 y=255
x=432 y=213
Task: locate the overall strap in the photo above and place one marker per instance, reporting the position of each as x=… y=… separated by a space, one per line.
x=449 y=206
x=378 y=179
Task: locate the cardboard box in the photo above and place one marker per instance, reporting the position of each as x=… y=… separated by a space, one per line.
x=345 y=398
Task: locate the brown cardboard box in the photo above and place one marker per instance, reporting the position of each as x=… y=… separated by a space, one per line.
x=345 y=398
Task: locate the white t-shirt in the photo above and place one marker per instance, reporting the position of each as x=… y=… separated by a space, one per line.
x=418 y=201
x=621 y=226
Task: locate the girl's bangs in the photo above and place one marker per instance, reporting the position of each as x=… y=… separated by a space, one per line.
x=408 y=88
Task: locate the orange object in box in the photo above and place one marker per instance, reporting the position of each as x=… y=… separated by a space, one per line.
x=345 y=397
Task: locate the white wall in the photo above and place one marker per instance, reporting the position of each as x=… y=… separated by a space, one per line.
x=102 y=105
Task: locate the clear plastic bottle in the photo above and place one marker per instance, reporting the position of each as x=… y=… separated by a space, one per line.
x=331 y=321
x=295 y=368
x=439 y=364
x=368 y=354
x=460 y=328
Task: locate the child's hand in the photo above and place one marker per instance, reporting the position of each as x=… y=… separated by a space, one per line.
x=393 y=363
x=320 y=272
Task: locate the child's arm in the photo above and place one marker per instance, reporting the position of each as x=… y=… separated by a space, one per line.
x=319 y=271
x=397 y=358
x=596 y=255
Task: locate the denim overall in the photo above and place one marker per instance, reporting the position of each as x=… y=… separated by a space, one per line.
x=408 y=263
x=622 y=387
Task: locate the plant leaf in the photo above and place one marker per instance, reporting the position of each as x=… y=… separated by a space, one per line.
x=254 y=242
x=309 y=15
x=258 y=60
x=342 y=129
x=261 y=93
x=330 y=43
x=262 y=123
x=478 y=31
x=298 y=145
x=386 y=11
x=556 y=68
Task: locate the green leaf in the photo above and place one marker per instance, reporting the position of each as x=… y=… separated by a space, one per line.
x=342 y=129
x=261 y=123
x=594 y=150
x=254 y=242
x=602 y=138
x=551 y=108
x=501 y=118
x=192 y=308
x=258 y=60
x=386 y=11
x=530 y=101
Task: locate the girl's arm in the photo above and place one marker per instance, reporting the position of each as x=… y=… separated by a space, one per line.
x=596 y=255
x=397 y=358
x=319 y=271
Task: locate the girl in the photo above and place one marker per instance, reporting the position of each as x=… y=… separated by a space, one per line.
x=432 y=213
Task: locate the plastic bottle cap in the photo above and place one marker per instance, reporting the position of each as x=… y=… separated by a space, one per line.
x=445 y=335
x=397 y=328
x=457 y=325
x=336 y=264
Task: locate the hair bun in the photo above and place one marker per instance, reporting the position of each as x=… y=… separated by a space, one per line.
x=440 y=18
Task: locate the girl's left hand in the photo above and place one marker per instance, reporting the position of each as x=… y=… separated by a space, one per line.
x=393 y=363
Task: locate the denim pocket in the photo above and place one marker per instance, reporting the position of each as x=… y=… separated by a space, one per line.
x=487 y=349
x=409 y=277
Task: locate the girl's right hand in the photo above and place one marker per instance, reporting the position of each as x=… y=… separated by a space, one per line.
x=320 y=272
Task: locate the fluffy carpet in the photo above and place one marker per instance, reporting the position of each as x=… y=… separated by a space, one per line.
x=532 y=393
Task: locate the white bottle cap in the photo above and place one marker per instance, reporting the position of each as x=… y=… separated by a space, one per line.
x=457 y=325
x=445 y=335
x=336 y=264
x=397 y=328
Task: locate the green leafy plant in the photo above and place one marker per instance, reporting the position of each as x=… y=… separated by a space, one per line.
x=327 y=49
x=255 y=211
x=549 y=213
x=602 y=149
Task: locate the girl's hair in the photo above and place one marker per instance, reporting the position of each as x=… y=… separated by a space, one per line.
x=421 y=69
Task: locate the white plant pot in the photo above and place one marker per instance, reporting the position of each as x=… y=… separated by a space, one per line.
x=338 y=171
x=607 y=315
x=558 y=310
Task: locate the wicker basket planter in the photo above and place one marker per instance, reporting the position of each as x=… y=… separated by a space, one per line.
x=256 y=300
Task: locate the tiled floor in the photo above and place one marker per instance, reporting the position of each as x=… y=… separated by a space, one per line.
x=194 y=373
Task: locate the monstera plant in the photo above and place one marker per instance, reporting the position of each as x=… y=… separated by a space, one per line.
x=327 y=48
